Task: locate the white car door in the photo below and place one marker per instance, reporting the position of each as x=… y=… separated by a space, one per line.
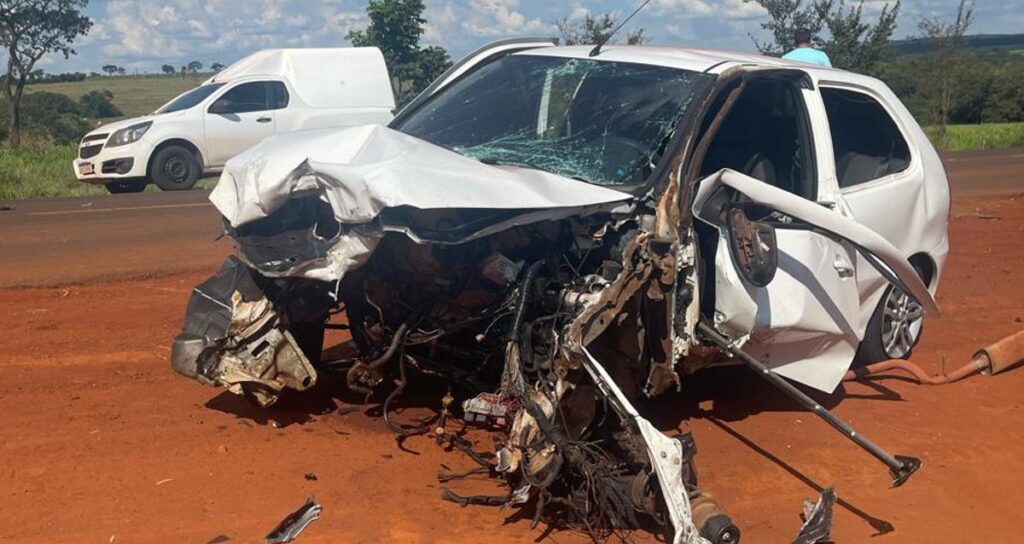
x=805 y=322
x=240 y=118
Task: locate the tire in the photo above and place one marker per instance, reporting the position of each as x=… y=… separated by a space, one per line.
x=894 y=329
x=175 y=168
x=130 y=186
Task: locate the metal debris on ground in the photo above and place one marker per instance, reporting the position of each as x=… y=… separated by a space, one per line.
x=295 y=523
x=817 y=520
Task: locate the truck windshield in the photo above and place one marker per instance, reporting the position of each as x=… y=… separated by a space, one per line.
x=606 y=123
x=189 y=99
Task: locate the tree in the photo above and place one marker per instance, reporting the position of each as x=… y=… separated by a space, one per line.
x=195 y=66
x=98 y=104
x=854 y=44
x=120 y=70
x=216 y=67
x=168 y=69
x=850 y=41
x=593 y=30
x=945 y=65
x=30 y=29
x=109 y=69
x=396 y=27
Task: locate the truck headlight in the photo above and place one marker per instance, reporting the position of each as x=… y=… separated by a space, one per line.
x=128 y=135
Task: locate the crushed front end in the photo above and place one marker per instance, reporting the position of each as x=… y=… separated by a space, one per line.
x=546 y=323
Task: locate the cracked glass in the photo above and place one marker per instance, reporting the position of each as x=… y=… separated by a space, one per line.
x=602 y=122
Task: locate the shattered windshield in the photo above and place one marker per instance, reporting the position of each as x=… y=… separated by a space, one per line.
x=190 y=98
x=603 y=122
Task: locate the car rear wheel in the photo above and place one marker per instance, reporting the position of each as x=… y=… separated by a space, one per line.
x=132 y=186
x=175 y=168
x=895 y=328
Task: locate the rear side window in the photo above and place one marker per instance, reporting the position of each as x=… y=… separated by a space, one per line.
x=867 y=142
x=278 y=95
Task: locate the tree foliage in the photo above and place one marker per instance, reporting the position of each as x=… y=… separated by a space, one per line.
x=842 y=31
x=396 y=27
x=168 y=69
x=195 y=66
x=216 y=67
x=98 y=105
x=944 y=69
x=30 y=29
x=592 y=29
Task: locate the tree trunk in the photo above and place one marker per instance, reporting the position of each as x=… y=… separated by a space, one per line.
x=14 y=134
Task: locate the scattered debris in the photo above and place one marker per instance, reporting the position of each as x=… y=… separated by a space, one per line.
x=817 y=520
x=295 y=523
x=346 y=409
x=311 y=476
x=164 y=481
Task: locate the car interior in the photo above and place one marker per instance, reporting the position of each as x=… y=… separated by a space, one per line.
x=868 y=145
x=765 y=136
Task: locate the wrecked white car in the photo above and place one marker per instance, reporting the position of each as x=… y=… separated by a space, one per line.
x=557 y=232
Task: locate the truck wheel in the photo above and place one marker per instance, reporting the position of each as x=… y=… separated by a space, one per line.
x=895 y=328
x=175 y=168
x=132 y=186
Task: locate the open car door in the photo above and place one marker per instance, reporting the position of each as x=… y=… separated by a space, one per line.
x=785 y=281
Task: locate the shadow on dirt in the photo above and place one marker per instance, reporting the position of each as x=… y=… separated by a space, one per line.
x=734 y=393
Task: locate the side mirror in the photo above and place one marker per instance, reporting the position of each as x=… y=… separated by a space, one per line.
x=220 y=106
x=752 y=243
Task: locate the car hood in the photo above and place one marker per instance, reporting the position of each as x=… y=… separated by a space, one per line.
x=364 y=170
x=110 y=128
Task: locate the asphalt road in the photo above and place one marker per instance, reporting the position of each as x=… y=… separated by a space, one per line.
x=58 y=241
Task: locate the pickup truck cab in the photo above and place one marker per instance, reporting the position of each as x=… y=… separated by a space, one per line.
x=267 y=93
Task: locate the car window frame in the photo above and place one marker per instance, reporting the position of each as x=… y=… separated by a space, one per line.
x=800 y=82
x=225 y=92
x=912 y=145
x=271 y=83
x=676 y=147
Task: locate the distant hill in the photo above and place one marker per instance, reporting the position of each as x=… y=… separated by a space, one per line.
x=133 y=95
x=981 y=43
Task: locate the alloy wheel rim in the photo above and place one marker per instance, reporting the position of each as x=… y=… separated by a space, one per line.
x=901 y=323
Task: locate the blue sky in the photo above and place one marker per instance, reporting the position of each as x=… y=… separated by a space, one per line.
x=143 y=34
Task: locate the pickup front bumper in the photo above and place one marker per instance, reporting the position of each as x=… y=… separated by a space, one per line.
x=96 y=163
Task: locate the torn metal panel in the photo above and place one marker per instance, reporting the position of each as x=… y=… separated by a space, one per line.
x=233 y=337
x=666 y=455
x=362 y=171
x=806 y=323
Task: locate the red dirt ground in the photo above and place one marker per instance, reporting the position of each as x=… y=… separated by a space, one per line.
x=102 y=442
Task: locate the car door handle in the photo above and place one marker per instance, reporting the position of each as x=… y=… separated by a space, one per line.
x=264 y=120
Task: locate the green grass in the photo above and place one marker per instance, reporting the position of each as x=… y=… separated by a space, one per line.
x=977 y=137
x=42 y=172
x=133 y=95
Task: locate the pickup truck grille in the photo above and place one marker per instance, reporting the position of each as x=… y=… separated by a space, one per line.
x=94 y=137
x=90 y=151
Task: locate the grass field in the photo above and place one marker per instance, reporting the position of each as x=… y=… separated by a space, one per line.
x=28 y=173
x=975 y=137
x=41 y=172
x=133 y=95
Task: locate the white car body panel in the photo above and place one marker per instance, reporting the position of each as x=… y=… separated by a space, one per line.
x=806 y=323
x=335 y=87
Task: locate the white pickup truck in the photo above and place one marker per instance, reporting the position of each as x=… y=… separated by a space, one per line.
x=270 y=92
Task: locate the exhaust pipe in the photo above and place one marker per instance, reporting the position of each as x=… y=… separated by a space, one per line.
x=998 y=357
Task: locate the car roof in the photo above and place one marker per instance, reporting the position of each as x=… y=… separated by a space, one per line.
x=697 y=60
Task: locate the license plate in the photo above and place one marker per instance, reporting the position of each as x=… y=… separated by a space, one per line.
x=86 y=169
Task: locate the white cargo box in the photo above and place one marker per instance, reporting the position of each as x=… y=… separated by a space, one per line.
x=349 y=77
